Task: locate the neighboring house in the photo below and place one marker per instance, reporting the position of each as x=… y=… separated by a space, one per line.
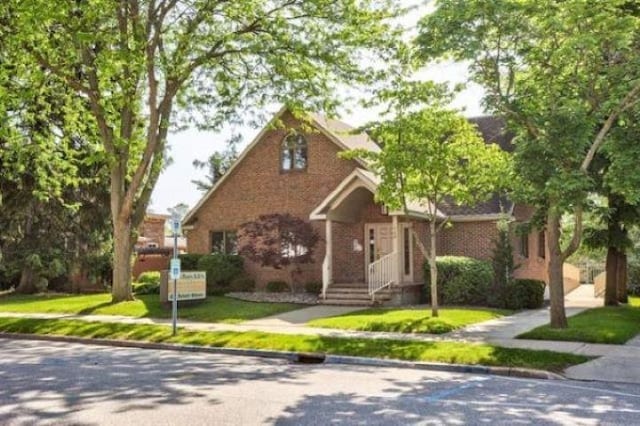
x=366 y=250
x=153 y=249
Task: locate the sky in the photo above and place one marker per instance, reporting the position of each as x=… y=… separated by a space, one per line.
x=174 y=185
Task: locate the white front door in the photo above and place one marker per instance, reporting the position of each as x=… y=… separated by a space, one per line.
x=378 y=239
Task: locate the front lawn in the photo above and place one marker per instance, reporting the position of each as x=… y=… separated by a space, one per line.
x=615 y=325
x=445 y=352
x=213 y=309
x=416 y=320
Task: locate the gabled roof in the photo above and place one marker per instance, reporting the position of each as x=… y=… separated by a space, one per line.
x=343 y=135
x=348 y=136
x=370 y=181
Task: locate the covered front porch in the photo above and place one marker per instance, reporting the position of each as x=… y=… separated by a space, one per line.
x=370 y=256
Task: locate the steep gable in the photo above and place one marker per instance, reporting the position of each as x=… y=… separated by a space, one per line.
x=343 y=137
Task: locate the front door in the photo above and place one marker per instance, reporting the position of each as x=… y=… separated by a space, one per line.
x=378 y=243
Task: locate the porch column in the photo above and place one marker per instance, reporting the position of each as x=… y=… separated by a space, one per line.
x=327 y=265
x=396 y=248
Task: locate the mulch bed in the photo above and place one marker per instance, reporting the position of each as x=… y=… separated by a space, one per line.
x=301 y=298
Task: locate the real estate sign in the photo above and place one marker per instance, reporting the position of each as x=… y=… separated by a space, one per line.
x=192 y=285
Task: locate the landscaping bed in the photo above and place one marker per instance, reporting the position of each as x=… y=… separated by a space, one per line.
x=410 y=320
x=299 y=298
x=445 y=352
x=213 y=309
x=613 y=325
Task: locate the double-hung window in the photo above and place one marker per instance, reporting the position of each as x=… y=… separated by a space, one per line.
x=224 y=242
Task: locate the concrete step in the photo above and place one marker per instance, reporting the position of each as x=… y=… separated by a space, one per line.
x=349 y=285
x=360 y=297
x=347 y=302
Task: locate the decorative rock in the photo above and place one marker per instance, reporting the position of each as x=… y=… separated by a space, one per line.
x=302 y=298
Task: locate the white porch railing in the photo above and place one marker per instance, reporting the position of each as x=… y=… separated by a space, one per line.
x=326 y=276
x=382 y=273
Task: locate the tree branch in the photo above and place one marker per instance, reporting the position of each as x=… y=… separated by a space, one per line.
x=574 y=244
x=629 y=100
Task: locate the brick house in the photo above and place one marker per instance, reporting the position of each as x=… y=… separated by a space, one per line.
x=366 y=251
x=153 y=249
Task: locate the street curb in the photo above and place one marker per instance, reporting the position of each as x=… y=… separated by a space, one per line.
x=298 y=357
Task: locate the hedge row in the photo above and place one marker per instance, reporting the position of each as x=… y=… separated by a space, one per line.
x=225 y=272
x=468 y=281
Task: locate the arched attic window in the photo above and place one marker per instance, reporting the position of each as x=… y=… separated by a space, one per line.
x=294 y=153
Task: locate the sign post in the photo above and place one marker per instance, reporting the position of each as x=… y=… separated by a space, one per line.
x=174 y=272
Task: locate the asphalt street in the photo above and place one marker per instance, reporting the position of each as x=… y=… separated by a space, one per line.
x=58 y=383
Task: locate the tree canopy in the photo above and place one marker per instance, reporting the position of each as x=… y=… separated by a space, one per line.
x=563 y=74
x=143 y=66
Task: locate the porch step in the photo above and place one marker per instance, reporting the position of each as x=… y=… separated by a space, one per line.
x=353 y=294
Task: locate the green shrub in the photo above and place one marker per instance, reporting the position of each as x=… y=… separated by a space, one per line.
x=277 y=287
x=221 y=270
x=243 y=283
x=461 y=281
x=313 y=287
x=146 y=288
x=151 y=277
x=525 y=294
x=189 y=261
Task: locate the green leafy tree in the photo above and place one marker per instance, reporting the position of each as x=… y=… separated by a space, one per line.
x=216 y=166
x=50 y=191
x=430 y=154
x=142 y=65
x=563 y=74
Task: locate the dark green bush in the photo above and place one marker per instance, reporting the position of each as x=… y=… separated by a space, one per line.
x=525 y=294
x=313 y=287
x=189 y=261
x=277 y=287
x=146 y=288
x=243 y=283
x=221 y=270
x=150 y=277
x=461 y=281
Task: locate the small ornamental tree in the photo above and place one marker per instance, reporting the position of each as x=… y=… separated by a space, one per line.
x=280 y=241
x=429 y=156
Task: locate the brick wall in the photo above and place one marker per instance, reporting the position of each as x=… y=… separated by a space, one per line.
x=153 y=228
x=149 y=262
x=472 y=239
x=534 y=266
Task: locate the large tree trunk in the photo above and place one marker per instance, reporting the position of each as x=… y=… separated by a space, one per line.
x=433 y=268
x=556 y=277
x=122 y=252
x=622 y=278
x=611 y=280
x=27 y=283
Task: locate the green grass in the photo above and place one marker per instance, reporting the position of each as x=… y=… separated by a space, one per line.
x=417 y=320
x=614 y=325
x=445 y=352
x=213 y=309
